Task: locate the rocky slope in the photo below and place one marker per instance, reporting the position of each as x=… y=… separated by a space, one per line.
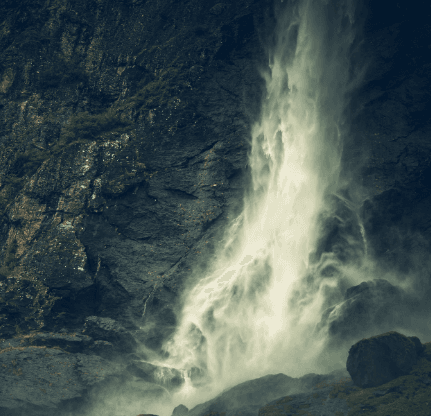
x=123 y=155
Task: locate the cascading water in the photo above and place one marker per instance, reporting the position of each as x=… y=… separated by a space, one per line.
x=238 y=322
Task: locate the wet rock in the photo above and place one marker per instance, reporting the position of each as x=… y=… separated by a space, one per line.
x=382 y=358
x=340 y=231
x=108 y=329
x=41 y=380
x=169 y=378
x=47 y=373
x=103 y=348
x=371 y=304
x=180 y=410
x=246 y=398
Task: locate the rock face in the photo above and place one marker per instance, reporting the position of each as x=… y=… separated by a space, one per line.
x=123 y=156
x=382 y=358
x=48 y=373
x=371 y=304
x=125 y=176
x=109 y=330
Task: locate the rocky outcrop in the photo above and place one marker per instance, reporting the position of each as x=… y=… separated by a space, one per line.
x=250 y=396
x=170 y=378
x=180 y=410
x=382 y=358
x=115 y=170
x=334 y=393
x=109 y=330
x=48 y=373
x=371 y=305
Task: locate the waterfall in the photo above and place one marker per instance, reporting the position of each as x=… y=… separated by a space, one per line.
x=254 y=312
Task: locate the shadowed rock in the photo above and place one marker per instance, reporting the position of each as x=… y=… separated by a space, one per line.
x=107 y=329
x=382 y=358
x=371 y=304
x=180 y=410
x=169 y=378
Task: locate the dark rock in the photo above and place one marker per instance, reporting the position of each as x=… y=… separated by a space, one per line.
x=246 y=398
x=167 y=377
x=103 y=348
x=41 y=380
x=339 y=231
x=44 y=374
x=107 y=329
x=420 y=349
x=180 y=410
x=380 y=359
x=372 y=304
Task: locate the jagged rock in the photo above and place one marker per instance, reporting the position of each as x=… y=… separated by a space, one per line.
x=340 y=232
x=180 y=410
x=382 y=358
x=169 y=378
x=108 y=329
x=41 y=380
x=103 y=348
x=68 y=369
x=371 y=304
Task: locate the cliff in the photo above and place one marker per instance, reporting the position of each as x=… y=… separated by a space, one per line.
x=123 y=143
x=123 y=155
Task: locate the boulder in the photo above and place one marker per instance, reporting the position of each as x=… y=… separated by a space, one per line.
x=382 y=358
x=180 y=410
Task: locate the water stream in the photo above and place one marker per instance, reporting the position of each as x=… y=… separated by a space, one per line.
x=255 y=311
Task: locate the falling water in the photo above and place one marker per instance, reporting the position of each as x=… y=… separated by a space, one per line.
x=238 y=322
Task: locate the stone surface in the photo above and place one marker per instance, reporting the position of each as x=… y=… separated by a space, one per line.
x=45 y=373
x=46 y=380
x=108 y=329
x=369 y=305
x=382 y=358
x=251 y=395
x=334 y=394
x=123 y=155
x=169 y=378
x=180 y=410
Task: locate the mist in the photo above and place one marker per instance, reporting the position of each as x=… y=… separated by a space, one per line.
x=255 y=311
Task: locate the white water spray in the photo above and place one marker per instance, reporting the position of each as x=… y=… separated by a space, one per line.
x=238 y=322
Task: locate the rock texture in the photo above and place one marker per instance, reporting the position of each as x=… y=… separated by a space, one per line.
x=380 y=359
x=116 y=171
x=332 y=394
x=123 y=153
x=48 y=372
x=109 y=330
x=250 y=396
x=371 y=304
